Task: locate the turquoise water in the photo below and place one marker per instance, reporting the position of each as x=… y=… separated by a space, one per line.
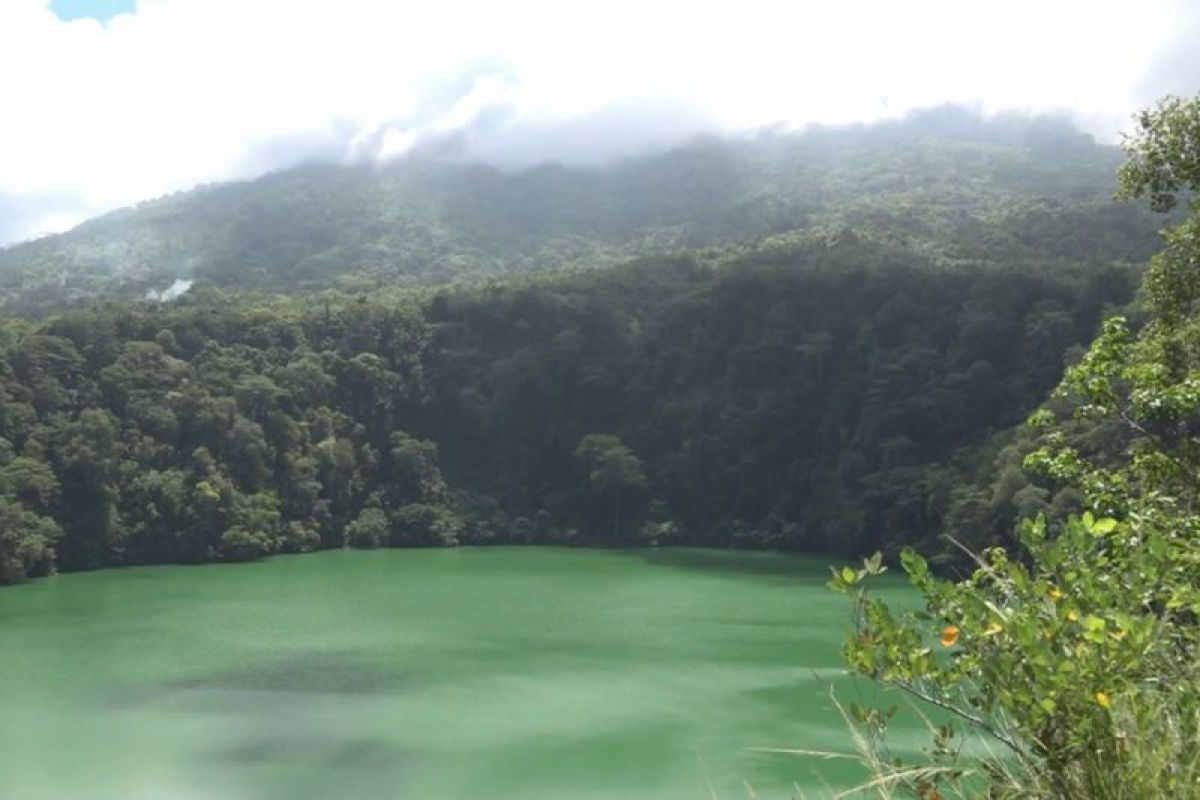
x=471 y=673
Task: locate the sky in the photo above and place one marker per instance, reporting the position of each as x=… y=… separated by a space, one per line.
x=109 y=102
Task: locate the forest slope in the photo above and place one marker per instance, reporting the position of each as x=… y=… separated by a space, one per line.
x=946 y=182
x=815 y=342
x=828 y=395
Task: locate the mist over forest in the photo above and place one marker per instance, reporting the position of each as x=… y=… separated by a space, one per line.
x=428 y=219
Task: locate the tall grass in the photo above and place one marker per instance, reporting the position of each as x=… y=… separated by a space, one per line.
x=1151 y=751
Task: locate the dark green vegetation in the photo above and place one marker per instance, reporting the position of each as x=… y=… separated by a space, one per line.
x=524 y=673
x=943 y=182
x=1076 y=652
x=831 y=363
x=826 y=398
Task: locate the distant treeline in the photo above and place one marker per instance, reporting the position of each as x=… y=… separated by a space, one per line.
x=825 y=394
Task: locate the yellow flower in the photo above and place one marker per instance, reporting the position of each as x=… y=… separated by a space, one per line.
x=993 y=629
x=1072 y=615
x=1055 y=594
x=1103 y=700
x=949 y=635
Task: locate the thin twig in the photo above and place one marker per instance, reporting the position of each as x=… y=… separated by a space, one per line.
x=961 y=714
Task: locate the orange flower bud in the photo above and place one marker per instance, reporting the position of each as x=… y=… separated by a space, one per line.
x=949 y=635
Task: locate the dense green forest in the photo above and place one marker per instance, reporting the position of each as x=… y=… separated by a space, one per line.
x=818 y=341
x=946 y=182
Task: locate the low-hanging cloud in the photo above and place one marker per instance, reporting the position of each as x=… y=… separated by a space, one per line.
x=189 y=91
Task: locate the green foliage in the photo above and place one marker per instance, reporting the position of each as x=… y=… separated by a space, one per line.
x=369 y=529
x=198 y=433
x=26 y=542
x=955 y=186
x=826 y=395
x=833 y=365
x=1163 y=156
x=615 y=479
x=426 y=524
x=1034 y=652
x=1078 y=651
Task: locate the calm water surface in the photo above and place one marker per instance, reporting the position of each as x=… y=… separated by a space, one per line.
x=496 y=673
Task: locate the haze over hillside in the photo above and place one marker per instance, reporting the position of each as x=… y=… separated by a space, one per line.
x=946 y=182
x=123 y=100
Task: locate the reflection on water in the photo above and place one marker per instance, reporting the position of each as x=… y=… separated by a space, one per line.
x=737 y=562
x=311 y=748
x=309 y=671
x=291 y=713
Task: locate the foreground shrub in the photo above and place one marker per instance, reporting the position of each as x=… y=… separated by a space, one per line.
x=1067 y=667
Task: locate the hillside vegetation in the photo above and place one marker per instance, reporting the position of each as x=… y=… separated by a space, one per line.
x=955 y=187
x=1068 y=662
x=817 y=342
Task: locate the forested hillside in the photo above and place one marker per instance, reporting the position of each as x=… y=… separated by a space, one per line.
x=946 y=182
x=829 y=396
x=814 y=342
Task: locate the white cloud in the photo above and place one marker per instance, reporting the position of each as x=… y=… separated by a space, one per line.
x=186 y=91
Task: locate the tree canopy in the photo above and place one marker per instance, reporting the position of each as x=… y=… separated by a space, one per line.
x=816 y=342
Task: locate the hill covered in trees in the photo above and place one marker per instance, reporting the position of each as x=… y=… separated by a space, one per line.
x=946 y=182
x=831 y=396
x=816 y=341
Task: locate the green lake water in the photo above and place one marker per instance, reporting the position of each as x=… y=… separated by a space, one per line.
x=496 y=673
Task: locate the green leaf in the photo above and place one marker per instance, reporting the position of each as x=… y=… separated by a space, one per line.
x=916 y=566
